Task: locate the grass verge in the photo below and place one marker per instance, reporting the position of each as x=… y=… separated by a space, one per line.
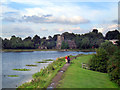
x=12 y=75
x=31 y=65
x=48 y=60
x=77 y=77
x=41 y=62
x=24 y=69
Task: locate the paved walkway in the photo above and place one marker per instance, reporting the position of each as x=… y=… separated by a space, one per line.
x=57 y=78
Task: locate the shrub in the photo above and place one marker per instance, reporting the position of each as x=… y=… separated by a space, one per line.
x=114 y=67
x=99 y=61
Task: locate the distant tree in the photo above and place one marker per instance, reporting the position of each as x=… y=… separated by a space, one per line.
x=6 y=44
x=1 y=43
x=68 y=36
x=36 y=39
x=112 y=35
x=49 y=37
x=28 y=38
x=51 y=44
x=95 y=31
x=64 y=45
x=16 y=42
x=55 y=37
x=28 y=44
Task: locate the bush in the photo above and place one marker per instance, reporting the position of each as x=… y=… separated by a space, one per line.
x=114 y=67
x=99 y=61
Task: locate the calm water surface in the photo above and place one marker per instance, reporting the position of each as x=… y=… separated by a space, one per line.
x=12 y=60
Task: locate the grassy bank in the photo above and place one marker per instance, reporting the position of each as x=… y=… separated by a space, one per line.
x=31 y=50
x=76 y=77
x=43 y=78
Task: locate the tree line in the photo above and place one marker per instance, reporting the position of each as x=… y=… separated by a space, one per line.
x=84 y=41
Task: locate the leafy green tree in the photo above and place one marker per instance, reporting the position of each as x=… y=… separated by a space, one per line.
x=28 y=44
x=68 y=36
x=64 y=45
x=16 y=42
x=95 y=31
x=36 y=39
x=99 y=61
x=6 y=44
x=114 y=67
x=109 y=47
x=85 y=43
x=1 y=43
x=112 y=35
x=51 y=44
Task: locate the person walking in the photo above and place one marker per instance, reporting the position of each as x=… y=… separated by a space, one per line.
x=68 y=59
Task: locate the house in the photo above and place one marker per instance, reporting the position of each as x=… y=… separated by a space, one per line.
x=42 y=47
x=113 y=41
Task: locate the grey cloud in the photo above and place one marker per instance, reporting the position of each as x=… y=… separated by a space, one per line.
x=51 y=19
x=116 y=21
x=48 y=19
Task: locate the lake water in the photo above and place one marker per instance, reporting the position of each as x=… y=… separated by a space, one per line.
x=12 y=60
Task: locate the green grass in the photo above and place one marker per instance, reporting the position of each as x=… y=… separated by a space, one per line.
x=24 y=69
x=41 y=62
x=31 y=50
x=48 y=60
x=12 y=75
x=31 y=65
x=76 y=77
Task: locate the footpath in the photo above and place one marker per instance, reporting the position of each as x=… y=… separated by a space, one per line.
x=58 y=77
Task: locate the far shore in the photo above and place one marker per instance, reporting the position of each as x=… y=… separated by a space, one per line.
x=32 y=50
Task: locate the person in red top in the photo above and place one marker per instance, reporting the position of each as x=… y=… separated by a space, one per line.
x=66 y=59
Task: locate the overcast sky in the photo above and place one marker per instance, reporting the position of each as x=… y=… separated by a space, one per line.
x=30 y=17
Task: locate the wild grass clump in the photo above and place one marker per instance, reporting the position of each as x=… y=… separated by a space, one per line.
x=48 y=60
x=43 y=78
x=12 y=75
x=41 y=62
x=31 y=65
x=24 y=69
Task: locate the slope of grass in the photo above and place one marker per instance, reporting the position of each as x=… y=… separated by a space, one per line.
x=76 y=77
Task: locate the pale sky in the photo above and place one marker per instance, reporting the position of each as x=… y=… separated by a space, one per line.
x=48 y=17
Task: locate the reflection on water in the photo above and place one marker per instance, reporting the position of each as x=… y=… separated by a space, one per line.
x=12 y=60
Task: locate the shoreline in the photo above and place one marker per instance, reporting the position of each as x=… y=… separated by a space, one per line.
x=31 y=79
x=32 y=50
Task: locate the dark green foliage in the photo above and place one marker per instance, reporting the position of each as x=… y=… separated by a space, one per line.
x=99 y=61
x=109 y=47
x=36 y=39
x=112 y=35
x=114 y=67
x=118 y=42
x=107 y=59
x=85 y=41
x=89 y=40
x=51 y=44
x=64 y=45
x=95 y=31
x=68 y=36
